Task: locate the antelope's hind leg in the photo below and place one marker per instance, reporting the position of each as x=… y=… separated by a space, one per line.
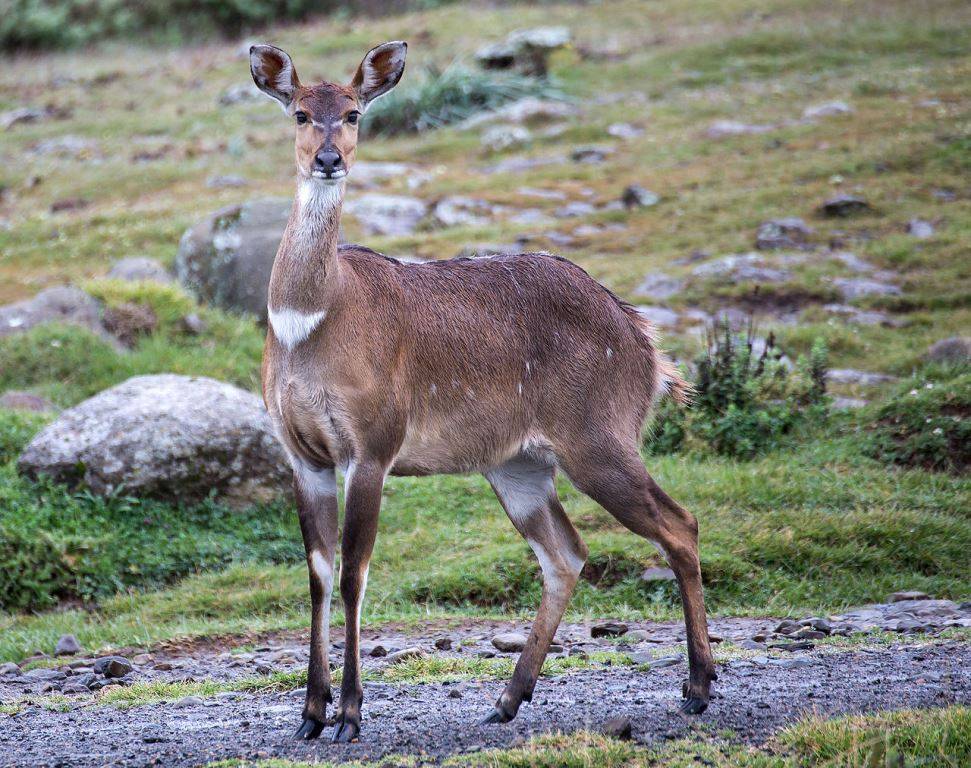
x=316 y=493
x=527 y=492
x=615 y=478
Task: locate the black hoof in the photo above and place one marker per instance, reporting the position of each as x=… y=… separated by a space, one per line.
x=694 y=706
x=496 y=716
x=309 y=729
x=346 y=732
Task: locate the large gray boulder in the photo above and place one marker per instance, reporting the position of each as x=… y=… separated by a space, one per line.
x=168 y=436
x=381 y=214
x=226 y=258
x=61 y=304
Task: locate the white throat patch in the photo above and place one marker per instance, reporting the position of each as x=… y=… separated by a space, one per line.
x=292 y=327
x=318 y=197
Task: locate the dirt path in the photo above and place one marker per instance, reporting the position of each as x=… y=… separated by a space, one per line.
x=755 y=697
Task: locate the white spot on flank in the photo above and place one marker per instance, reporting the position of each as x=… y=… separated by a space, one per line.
x=610 y=352
x=433 y=390
x=520 y=387
x=291 y=327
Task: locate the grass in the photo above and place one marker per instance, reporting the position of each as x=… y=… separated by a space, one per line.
x=811 y=527
x=935 y=738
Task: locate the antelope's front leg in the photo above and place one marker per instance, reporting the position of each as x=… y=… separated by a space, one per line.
x=316 y=493
x=362 y=502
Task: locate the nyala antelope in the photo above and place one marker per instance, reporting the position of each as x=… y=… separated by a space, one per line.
x=512 y=366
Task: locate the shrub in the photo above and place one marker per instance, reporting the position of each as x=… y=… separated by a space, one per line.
x=927 y=423
x=747 y=399
x=442 y=97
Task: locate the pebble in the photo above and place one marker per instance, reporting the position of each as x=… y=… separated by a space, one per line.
x=637 y=636
x=920 y=229
x=9 y=668
x=635 y=196
x=112 y=666
x=67 y=645
x=608 y=629
x=509 y=642
x=444 y=643
x=844 y=205
x=666 y=661
x=378 y=652
x=795 y=663
x=405 y=654
x=618 y=728
x=898 y=597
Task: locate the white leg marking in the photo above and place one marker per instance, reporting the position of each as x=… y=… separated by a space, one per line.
x=325 y=577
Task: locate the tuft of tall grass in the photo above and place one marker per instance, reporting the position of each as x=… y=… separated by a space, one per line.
x=445 y=96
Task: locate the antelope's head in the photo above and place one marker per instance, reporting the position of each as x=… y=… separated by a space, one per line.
x=327 y=114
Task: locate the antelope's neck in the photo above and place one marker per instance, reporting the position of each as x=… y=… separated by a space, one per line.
x=306 y=267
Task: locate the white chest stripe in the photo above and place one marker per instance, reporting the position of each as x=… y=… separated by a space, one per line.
x=291 y=327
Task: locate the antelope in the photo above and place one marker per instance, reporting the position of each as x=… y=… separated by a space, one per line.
x=512 y=366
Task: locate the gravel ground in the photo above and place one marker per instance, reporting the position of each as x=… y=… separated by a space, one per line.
x=753 y=697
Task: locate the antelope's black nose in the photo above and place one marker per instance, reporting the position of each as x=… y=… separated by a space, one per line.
x=328 y=161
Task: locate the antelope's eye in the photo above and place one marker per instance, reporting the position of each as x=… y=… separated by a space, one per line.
x=353 y=116
x=301 y=118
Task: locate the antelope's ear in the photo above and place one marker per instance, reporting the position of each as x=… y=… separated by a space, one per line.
x=273 y=73
x=380 y=71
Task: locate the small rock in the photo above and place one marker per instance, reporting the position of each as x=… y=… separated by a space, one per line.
x=444 y=643
x=624 y=131
x=786 y=627
x=635 y=196
x=808 y=633
x=189 y=701
x=15 y=400
x=456 y=210
x=844 y=205
x=724 y=128
x=382 y=214
x=795 y=663
x=841 y=403
x=751 y=645
x=87 y=679
x=153 y=734
x=240 y=94
x=920 y=229
x=555 y=648
x=658 y=285
x=574 y=209
x=802 y=645
x=790 y=232
x=666 y=661
x=661 y=317
x=23 y=115
x=827 y=109
x=500 y=137
x=608 y=629
x=486 y=654
x=129 y=321
x=590 y=155
x=899 y=597
x=618 y=728
x=509 y=642
x=228 y=181
x=636 y=636
x=9 y=668
x=405 y=654
x=818 y=623
x=955 y=350
x=378 y=651
x=74 y=687
x=455 y=692
x=44 y=674
x=112 y=666
x=140 y=268
x=193 y=325
x=67 y=645
x=855 y=288
x=69 y=204
x=853 y=376
x=658 y=574
x=741 y=268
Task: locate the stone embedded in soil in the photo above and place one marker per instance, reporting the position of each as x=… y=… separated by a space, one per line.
x=405 y=654
x=827 y=109
x=898 y=597
x=497 y=138
x=574 y=209
x=742 y=268
x=844 y=205
x=378 y=651
x=658 y=285
x=138 y=269
x=787 y=626
x=657 y=574
x=608 y=629
x=859 y=378
x=444 y=643
x=509 y=642
x=791 y=232
x=920 y=229
x=955 y=350
x=9 y=668
x=666 y=661
x=15 y=400
x=590 y=155
x=802 y=645
x=618 y=728
x=67 y=645
x=112 y=666
x=818 y=623
x=856 y=288
x=624 y=131
x=636 y=636
x=636 y=196
x=720 y=129
x=381 y=214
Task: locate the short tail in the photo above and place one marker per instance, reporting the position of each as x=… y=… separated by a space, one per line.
x=668 y=380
